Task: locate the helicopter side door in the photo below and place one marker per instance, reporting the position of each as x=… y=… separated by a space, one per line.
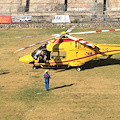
x=58 y=56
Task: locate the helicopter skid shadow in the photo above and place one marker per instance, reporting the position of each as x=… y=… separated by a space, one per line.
x=61 y=86
x=57 y=69
x=62 y=69
x=100 y=63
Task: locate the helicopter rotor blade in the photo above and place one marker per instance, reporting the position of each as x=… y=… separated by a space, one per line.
x=98 y=31
x=81 y=41
x=68 y=31
x=31 y=36
x=35 y=44
x=56 y=35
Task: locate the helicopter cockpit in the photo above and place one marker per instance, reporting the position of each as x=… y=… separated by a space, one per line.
x=42 y=54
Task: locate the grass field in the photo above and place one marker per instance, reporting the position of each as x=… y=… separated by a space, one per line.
x=91 y=94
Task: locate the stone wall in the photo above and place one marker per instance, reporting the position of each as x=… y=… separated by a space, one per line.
x=50 y=25
x=7 y=6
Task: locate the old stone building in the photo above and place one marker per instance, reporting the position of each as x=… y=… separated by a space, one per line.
x=98 y=6
x=94 y=7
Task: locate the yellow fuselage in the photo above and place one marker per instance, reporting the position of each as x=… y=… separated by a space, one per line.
x=71 y=53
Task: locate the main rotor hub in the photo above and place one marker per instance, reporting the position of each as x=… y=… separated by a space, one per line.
x=62 y=33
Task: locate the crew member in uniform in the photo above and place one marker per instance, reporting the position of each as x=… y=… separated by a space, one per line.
x=46 y=77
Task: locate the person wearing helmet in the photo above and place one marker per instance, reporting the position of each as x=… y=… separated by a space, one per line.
x=46 y=77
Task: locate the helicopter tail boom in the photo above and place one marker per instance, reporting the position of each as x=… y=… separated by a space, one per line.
x=107 y=49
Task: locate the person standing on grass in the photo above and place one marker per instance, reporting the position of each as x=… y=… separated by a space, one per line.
x=46 y=77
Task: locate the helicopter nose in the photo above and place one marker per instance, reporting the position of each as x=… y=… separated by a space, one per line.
x=26 y=59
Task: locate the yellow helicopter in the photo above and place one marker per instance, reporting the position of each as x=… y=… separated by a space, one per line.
x=64 y=51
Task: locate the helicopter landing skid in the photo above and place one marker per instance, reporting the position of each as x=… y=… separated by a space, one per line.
x=78 y=68
x=34 y=67
x=51 y=67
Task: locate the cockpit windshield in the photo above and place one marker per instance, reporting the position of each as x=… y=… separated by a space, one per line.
x=38 y=51
x=41 y=53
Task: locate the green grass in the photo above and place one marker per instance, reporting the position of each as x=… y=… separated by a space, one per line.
x=86 y=95
x=35 y=76
x=28 y=95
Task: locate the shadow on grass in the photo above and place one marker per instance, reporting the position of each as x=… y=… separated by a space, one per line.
x=100 y=63
x=95 y=63
x=61 y=86
x=91 y=64
x=61 y=69
x=4 y=73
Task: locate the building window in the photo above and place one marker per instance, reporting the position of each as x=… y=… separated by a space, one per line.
x=104 y=9
x=65 y=5
x=27 y=5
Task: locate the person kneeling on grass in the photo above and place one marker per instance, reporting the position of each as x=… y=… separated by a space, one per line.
x=46 y=77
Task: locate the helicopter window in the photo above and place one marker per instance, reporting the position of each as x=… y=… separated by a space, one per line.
x=38 y=51
x=54 y=55
x=62 y=55
x=58 y=55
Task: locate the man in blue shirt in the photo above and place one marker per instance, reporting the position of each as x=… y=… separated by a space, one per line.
x=47 y=77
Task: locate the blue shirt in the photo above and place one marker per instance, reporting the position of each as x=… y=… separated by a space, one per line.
x=46 y=76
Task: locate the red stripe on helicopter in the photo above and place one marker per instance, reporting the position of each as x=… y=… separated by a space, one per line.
x=64 y=40
x=26 y=47
x=99 y=31
x=80 y=40
x=70 y=40
x=83 y=42
x=112 y=30
x=110 y=51
x=83 y=57
x=31 y=45
x=86 y=43
x=105 y=30
x=37 y=43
